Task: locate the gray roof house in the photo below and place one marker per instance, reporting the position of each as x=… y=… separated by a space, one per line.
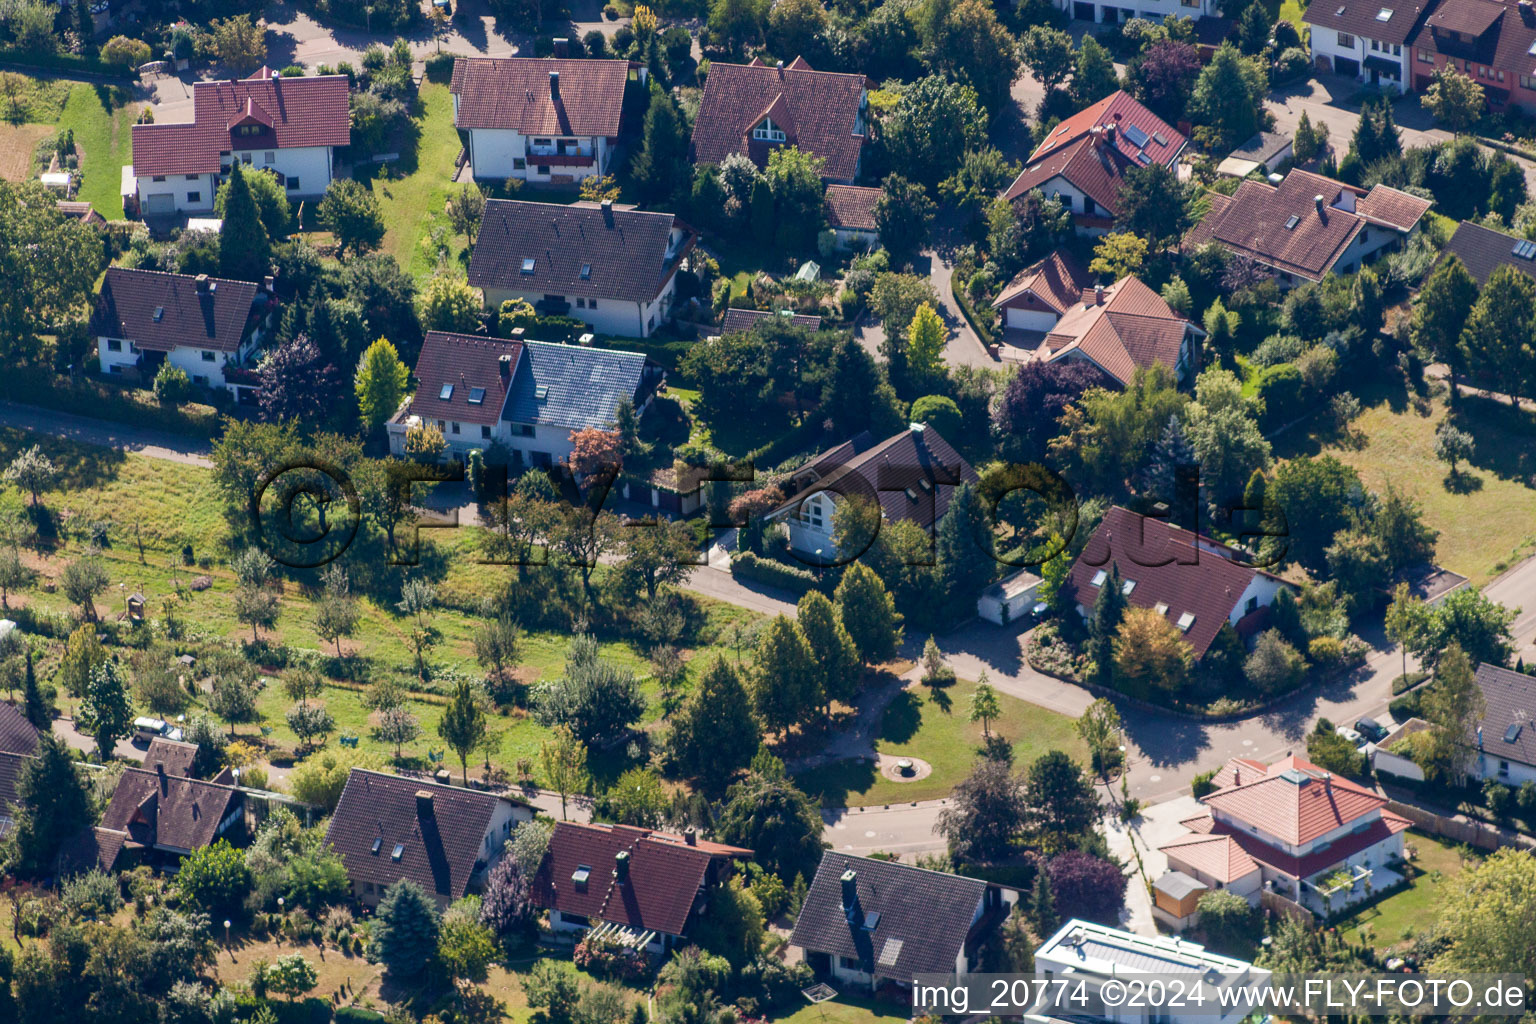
x=876 y=923
x=1506 y=737
x=529 y=396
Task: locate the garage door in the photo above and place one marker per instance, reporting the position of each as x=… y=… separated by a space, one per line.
x=1346 y=67
x=164 y=202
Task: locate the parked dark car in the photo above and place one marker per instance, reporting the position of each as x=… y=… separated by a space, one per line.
x=1371 y=729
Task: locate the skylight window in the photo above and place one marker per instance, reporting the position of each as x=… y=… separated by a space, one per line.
x=377 y=842
x=1161 y=607
x=586 y=271
x=541 y=392
x=159 y=313
x=1186 y=620
x=1525 y=250
x=446 y=393
x=1158 y=138
x=1127 y=586
x=528 y=265
x=1291 y=222
x=1385 y=14
x=477 y=396
x=397 y=852
x=1512 y=733
x=1099 y=578
x=1135 y=136
x=911 y=494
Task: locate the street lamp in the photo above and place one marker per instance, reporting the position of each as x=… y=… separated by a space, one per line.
x=226 y=931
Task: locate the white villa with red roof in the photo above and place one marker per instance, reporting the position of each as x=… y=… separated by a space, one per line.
x=1084 y=159
x=290 y=126
x=1291 y=827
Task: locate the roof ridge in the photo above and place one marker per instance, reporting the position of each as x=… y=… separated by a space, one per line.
x=909 y=867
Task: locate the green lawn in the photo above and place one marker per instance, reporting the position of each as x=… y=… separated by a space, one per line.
x=1403 y=914
x=103 y=127
x=413 y=205
x=1486 y=517
x=845 y=1009
x=932 y=724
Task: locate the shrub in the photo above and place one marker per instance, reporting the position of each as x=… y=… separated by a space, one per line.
x=611 y=960
x=1203 y=784
x=765 y=570
x=1325 y=650
x=172 y=385
x=122 y=52
x=439 y=65
x=1280 y=388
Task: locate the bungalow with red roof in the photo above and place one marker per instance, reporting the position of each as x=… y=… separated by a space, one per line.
x=635 y=887
x=1194 y=582
x=1084 y=160
x=850 y=212
x=752 y=108
x=541 y=120
x=1053 y=310
x=1309 y=226
x=289 y=126
x=1290 y=826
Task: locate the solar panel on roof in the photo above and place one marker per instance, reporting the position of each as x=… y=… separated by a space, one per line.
x=891 y=953
x=1137 y=137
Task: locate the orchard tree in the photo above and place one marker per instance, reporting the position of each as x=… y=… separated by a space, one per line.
x=563 y=759
x=463 y=726
x=84 y=580
x=33 y=472
x=350 y=211
x=106 y=712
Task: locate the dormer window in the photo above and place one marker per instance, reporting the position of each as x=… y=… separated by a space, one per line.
x=767 y=131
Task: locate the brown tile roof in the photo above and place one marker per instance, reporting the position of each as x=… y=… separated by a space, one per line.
x=1296 y=801
x=1131 y=328
x=160 y=312
x=17 y=735
x=1362 y=17
x=623 y=251
x=11 y=765
x=1484 y=250
x=441 y=831
x=819 y=111
x=169 y=811
x=461 y=365
x=80 y=211
x=666 y=875
x=516 y=94
x=293 y=113
x=912 y=475
x=1509 y=699
x=738 y=320
x=1217 y=856
x=1504 y=41
x=91 y=849
x=176 y=757
x=1472 y=17
x=851 y=207
x=1169 y=566
x=1282 y=227
x=1057 y=282
x=1094 y=148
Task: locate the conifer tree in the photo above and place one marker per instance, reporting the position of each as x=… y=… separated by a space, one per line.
x=245 y=252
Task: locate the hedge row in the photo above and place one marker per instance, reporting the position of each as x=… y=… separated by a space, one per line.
x=748 y=566
x=103 y=400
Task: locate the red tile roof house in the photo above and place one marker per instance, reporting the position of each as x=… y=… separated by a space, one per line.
x=850 y=212
x=528 y=395
x=1053 y=310
x=1192 y=581
x=539 y=120
x=210 y=327
x=911 y=475
x=751 y=108
x=1313 y=837
x=611 y=265
x=1492 y=41
x=640 y=888
x=291 y=126
x=1084 y=160
x=1309 y=226
x=443 y=838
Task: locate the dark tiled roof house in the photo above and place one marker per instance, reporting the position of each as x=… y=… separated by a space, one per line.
x=170 y=813
x=540 y=120
x=17 y=735
x=174 y=756
x=529 y=396
x=290 y=126
x=210 y=327
x=911 y=476
x=751 y=108
x=612 y=266
x=877 y=923
x=443 y=838
x=642 y=886
x=1491 y=41
x=737 y=320
x=1483 y=250
x=1506 y=736
x=1192 y=581
x=850 y=213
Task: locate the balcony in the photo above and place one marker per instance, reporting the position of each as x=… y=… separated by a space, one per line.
x=561 y=159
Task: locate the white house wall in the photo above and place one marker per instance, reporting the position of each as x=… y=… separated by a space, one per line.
x=311 y=165
x=1151 y=10
x=619 y=317
x=493 y=153
x=1331 y=44
x=181 y=188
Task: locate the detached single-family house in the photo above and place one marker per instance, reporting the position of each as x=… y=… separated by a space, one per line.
x=877 y=923
x=1316 y=838
x=1194 y=582
x=633 y=886
x=1367 y=40
x=1506 y=736
x=17 y=735
x=539 y=120
x=160 y=812
x=614 y=267
x=209 y=327
x=736 y=321
x=289 y=126
x=1084 y=160
x=1483 y=250
x=1120 y=12
x=850 y=213
x=528 y=395
x=752 y=108
x=1055 y=311
x=443 y=838
x=1489 y=41
x=1093 y=954
x=910 y=476
x=1309 y=226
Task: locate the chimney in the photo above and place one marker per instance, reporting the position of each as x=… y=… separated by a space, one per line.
x=1098 y=295
x=850 y=881
x=554 y=85
x=202 y=282
x=1109 y=133
x=780 y=67
x=1096 y=133
x=621 y=867
x=1237 y=776
x=690 y=836
x=505 y=365
x=423 y=803
x=607 y=205
x=1317 y=201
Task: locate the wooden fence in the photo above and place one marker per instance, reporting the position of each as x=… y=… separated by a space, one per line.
x=1460 y=830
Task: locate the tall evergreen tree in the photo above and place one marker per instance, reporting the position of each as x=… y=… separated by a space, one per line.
x=715 y=733
x=963 y=549
x=1497 y=342
x=53 y=804
x=405 y=930
x=660 y=169
x=34 y=706
x=1104 y=625
x=245 y=251
x=837 y=658
x=1042 y=905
